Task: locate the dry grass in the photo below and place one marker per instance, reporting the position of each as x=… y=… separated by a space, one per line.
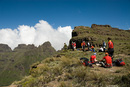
x=67 y=71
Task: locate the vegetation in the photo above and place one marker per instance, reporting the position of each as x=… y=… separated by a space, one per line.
x=64 y=68
x=67 y=71
x=16 y=64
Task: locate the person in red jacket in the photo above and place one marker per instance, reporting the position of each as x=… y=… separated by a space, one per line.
x=108 y=61
x=73 y=46
x=110 y=48
x=93 y=58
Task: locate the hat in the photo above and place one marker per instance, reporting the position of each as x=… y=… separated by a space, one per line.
x=106 y=53
x=94 y=53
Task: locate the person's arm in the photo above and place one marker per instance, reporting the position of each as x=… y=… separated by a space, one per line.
x=102 y=59
x=95 y=60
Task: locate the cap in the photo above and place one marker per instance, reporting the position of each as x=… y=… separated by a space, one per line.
x=94 y=53
x=106 y=53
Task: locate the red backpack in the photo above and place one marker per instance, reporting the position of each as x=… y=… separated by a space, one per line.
x=119 y=62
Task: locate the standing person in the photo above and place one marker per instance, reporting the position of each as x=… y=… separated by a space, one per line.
x=74 y=45
x=110 y=48
x=88 y=45
x=93 y=58
x=84 y=45
x=108 y=61
x=104 y=45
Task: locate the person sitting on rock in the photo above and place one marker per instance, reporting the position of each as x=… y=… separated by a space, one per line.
x=93 y=58
x=106 y=61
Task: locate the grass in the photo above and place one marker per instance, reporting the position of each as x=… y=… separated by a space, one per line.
x=18 y=63
x=67 y=71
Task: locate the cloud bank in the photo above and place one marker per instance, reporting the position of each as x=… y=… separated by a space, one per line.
x=36 y=35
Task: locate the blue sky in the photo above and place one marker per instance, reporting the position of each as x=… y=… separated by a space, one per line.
x=65 y=13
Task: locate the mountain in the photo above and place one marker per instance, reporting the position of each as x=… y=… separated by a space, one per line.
x=66 y=70
x=97 y=33
x=5 y=48
x=16 y=64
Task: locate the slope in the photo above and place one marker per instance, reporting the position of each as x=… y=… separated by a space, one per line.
x=16 y=64
x=97 y=33
x=65 y=70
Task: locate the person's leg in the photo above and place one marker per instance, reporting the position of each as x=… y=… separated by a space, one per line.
x=104 y=49
x=102 y=64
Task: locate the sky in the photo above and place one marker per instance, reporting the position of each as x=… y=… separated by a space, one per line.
x=56 y=19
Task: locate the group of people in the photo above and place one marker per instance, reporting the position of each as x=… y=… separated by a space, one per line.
x=107 y=60
x=90 y=47
x=83 y=45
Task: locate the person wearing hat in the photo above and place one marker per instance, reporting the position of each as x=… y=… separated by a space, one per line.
x=93 y=58
x=110 y=48
x=107 y=61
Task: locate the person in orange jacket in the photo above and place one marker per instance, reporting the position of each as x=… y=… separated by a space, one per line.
x=108 y=61
x=92 y=47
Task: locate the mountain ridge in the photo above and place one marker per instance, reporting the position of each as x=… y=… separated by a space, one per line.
x=16 y=63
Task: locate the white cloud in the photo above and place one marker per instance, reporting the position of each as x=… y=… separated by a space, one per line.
x=36 y=35
x=129 y=28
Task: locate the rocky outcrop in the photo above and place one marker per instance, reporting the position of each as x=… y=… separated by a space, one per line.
x=46 y=47
x=5 y=48
x=96 y=34
x=96 y=26
x=22 y=47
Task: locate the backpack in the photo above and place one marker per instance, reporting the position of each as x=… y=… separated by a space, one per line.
x=85 y=61
x=119 y=62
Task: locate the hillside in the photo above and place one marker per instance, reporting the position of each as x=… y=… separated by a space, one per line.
x=16 y=64
x=97 y=33
x=65 y=70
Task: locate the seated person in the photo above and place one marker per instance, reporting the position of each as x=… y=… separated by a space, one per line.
x=108 y=61
x=93 y=58
x=101 y=49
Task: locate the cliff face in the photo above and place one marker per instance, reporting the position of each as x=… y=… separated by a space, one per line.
x=97 y=33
